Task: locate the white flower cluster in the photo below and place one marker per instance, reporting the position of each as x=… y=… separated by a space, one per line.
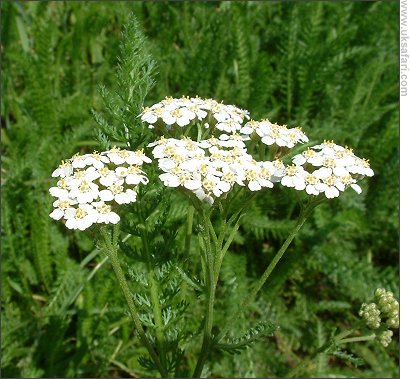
x=274 y=134
x=326 y=168
x=182 y=111
x=210 y=168
x=89 y=183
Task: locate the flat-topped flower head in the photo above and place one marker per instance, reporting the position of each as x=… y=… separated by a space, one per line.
x=331 y=169
x=91 y=184
x=177 y=113
x=211 y=168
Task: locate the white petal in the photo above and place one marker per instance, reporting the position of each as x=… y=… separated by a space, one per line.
x=253 y=185
x=356 y=188
x=56 y=214
x=267 y=140
x=106 y=195
x=299 y=160
x=192 y=184
x=224 y=186
x=323 y=172
x=331 y=192
x=340 y=171
x=287 y=181
x=113 y=217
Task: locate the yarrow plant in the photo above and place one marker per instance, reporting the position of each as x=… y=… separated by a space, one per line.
x=211 y=153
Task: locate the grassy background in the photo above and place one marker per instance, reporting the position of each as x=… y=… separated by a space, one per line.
x=329 y=67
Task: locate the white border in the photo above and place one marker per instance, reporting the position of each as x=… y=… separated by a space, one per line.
x=404 y=79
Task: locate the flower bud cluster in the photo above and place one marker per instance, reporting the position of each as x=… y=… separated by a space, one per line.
x=383 y=313
x=389 y=307
x=326 y=168
x=210 y=168
x=371 y=315
x=385 y=338
x=91 y=185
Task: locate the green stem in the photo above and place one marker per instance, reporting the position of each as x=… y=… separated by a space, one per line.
x=111 y=251
x=187 y=247
x=338 y=339
x=358 y=339
x=211 y=288
x=188 y=236
x=245 y=303
x=154 y=295
x=214 y=263
x=159 y=324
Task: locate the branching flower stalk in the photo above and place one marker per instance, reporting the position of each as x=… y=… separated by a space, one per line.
x=207 y=345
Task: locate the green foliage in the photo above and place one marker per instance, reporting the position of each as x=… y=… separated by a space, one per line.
x=77 y=75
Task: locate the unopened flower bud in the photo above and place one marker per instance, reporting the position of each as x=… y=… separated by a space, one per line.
x=371 y=315
x=385 y=338
x=393 y=322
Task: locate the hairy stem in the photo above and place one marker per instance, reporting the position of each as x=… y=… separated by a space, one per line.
x=187 y=247
x=110 y=249
x=154 y=296
x=211 y=282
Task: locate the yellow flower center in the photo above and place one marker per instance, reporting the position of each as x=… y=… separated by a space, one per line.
x=123 y=153
x=176 y=113
x=309 y=153
x=84 y=186
x=134 y=170
x=116 y=189
x=291 y=170
x=104 y=171
x=104 y=209
x=228 y=177
x=80 y=213
x=251 y=175
x=329 y=162
x=330 y=181
x=208 y=184
x=63 y=204
x=311 y=179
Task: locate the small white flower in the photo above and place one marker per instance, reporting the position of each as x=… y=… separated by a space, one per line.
x=96 y=160
x=329 y=187
x=107 y=176
x=105 y=214
x=308 y=156
x=179 y=116
x=294 y=177
x=116 y=192
x=338 y=169
x=84 y=191
x=78 y=161
x=61 y=191
x=82 y=217
x=61 y=206
x=135 y=176
x=313 y=186
x=151 y=115
x=137 y=158
x=178 y=177
x=65 y=169
x=118 y=156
